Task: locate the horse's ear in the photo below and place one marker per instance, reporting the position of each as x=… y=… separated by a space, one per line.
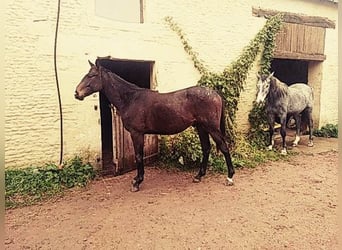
x=271 y=74
x=258 y=75
x=90 y=63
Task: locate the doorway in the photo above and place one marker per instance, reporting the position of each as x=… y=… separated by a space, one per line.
x=117 y=147
x=290 y=71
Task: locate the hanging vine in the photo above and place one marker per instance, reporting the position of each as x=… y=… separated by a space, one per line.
x=257 y=116
x=231 y=81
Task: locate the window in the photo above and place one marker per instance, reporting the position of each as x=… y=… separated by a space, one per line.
x=121 y=10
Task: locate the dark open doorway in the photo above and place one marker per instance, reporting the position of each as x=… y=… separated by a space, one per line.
x=290 y=71
x=117 y=153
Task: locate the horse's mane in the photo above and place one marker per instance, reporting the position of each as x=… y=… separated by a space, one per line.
x=103 y=63
x=277 y=90
x=117 y=78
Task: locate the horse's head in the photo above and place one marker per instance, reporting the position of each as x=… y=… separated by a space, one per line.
x=90 y=83
x=263 y=87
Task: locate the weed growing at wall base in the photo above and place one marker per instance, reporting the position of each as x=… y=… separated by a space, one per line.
x=30 y=185
x=184 y=151
x=328 y=131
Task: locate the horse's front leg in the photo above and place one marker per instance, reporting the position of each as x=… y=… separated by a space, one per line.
x=283 y=134
x=138 y=143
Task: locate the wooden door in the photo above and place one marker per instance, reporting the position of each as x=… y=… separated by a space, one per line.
x=123 y=151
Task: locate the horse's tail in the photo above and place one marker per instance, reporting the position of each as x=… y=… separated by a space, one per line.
x=222 y=126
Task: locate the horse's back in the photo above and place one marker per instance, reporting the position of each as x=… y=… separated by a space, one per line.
x=170 y=113
x=204 y=99
x=302 y=89
x=301 y=97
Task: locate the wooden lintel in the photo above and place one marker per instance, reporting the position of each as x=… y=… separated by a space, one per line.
x=299 y=56
x=289 y=17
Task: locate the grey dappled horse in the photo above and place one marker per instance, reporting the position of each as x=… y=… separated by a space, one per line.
x=283 y=101
x=144 y=111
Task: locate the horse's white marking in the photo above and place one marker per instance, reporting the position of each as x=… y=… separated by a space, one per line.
x=310 y=143
x=270 y=147
x=230 y=180
x=295 y=143
x=283 y=151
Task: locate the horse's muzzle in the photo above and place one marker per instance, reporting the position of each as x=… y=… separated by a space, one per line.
x=78 y=97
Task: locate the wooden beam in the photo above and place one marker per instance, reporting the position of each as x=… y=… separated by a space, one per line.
x=289 y=17
x=299 y=56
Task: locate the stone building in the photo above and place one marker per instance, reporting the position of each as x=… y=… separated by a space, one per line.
x=142 y=46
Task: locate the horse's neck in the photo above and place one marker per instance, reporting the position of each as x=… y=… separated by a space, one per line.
x=118 y=91
x=277 y=90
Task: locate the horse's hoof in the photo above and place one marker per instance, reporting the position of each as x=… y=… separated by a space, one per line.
x=283 y=152
x=269 y=148
x=310 y=144
x=229 y=182
x=296 y=141
x=135 y=188
x=196 y=180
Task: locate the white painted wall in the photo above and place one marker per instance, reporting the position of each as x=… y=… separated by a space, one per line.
x=217 y=30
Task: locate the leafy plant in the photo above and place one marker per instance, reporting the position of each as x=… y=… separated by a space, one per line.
x=229 y=84
x=257 y=116
x=183 y=149
x=32 y=184
x=329 y=130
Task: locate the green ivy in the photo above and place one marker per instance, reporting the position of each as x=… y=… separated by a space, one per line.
x=231 y=81
x=29 y=185
x=257 y=116
x=327 y=131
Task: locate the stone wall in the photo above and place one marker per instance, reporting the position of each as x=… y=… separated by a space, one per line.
x=218 y=31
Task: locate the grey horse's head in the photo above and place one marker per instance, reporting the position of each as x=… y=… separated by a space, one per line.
x=263 y=87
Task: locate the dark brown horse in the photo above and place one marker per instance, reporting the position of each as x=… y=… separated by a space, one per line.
x=144 y=111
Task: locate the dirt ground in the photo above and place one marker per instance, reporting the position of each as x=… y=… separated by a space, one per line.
x=280 y=205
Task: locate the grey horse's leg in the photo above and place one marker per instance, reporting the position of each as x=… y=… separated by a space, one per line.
x=283 y=134
x=309 y=114
x=297 y=118
x=270 y=120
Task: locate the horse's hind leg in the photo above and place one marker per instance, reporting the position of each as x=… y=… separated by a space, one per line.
x=309 y=114
x=205 y=144
x=221 y=144
x=297 y=117
x=270 y=120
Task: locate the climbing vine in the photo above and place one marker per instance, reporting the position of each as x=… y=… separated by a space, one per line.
x=257 y=116
x=231 y=81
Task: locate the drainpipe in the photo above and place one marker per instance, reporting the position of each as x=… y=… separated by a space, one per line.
x=58 y=91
